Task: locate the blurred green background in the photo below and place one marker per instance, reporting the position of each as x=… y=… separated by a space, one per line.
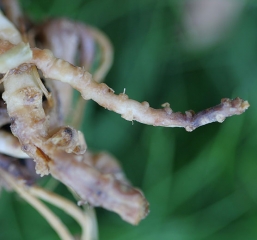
x=200 y=185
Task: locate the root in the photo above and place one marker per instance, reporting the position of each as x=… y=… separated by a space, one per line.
x=50 y=217
x=86 y=222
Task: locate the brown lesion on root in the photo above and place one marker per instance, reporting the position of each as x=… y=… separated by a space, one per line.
x=21 y=169
x=42 y=155
x=218 y=113
x=69 y=139
x=98 y=188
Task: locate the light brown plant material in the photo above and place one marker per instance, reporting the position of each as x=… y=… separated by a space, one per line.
x=59 y=149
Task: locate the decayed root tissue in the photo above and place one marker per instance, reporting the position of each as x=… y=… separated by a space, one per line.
x=60 y=150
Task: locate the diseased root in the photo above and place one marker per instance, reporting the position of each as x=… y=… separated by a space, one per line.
x=47 y=150
x=130 y=109
x=59 y=149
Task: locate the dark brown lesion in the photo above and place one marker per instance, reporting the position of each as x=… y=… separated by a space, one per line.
x=21 y=169
x=218 y=113
x=42 y=155
x=4 y=116
x=68 y=139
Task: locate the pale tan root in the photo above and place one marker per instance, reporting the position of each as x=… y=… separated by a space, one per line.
x=50 y=151
x=14 y=56
x=51 y=218
x=13 y=11
x=101 y=71
x=42 y=87
x=64 y=38
x=20 y=173
x=8 y=31
x=130 y=109
x=24 y=100
x=89 y=231
x=10 y=145
x=106 y=54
